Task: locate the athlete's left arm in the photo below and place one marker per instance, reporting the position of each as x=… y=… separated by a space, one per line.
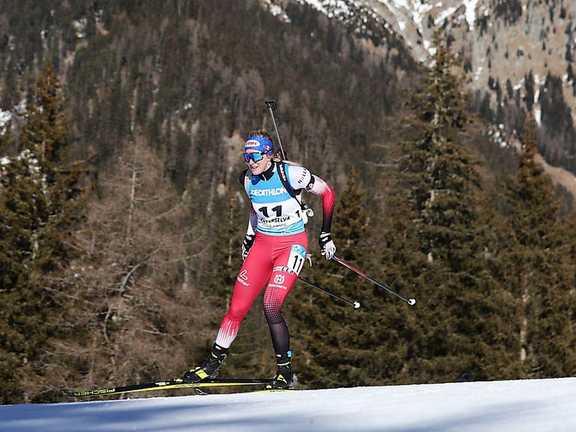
x=302 y=179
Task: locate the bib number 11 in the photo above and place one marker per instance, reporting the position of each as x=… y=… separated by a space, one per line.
x=296 y=259
x=277 y=210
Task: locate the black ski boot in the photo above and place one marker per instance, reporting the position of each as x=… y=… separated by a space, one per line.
x=210 y=367
x=284 y=377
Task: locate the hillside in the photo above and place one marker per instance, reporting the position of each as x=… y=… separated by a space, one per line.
x=518 y=56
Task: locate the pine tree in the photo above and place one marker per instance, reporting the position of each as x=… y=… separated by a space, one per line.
x=329 y=343
x=537 y=269
x=458 y=330
x=13 y=248
x=37 y=208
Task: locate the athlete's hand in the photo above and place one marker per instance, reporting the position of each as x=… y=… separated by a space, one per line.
x=247 y=244
x=327 y=246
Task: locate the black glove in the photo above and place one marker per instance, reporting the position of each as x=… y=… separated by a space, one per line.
x=327 y=246
x=247 y=244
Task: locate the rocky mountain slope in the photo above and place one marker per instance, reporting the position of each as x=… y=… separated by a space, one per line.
x=518 y=56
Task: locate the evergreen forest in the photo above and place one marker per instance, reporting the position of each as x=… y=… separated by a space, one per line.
x=122 y=218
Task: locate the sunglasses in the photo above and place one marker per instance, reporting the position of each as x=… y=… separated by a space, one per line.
x=256 y=157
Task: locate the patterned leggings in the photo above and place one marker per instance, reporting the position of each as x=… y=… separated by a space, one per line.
x=273 y=263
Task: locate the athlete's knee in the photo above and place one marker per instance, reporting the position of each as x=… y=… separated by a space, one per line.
x=236 y=313
x=273 y=309
x=273 y=314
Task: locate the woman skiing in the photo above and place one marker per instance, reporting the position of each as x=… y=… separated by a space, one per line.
x=274 y=251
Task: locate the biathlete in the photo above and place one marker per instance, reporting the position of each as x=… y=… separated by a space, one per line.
x=274 y=251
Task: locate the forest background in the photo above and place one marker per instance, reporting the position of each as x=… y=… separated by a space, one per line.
x=121 y=214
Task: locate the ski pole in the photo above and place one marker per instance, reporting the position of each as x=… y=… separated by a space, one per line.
x=353 y=303
x=381 y=285
x=271 y=104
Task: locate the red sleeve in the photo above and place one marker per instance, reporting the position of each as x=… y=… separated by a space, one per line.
x=328 y=200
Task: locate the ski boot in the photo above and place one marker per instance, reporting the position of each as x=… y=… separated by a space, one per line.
x=210 y=367
x=284 y=378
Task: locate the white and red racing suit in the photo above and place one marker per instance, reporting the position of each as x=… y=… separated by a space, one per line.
x=279 y=249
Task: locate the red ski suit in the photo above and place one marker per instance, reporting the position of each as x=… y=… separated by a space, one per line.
x=277 y=254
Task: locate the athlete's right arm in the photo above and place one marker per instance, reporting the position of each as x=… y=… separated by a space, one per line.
x=252 y=221
x=250 y=233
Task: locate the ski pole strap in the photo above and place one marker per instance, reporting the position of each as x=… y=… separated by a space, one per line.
x=284 y=179
x=381 y=285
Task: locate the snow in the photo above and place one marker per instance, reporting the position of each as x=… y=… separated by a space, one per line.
x=498 y=136
x=519 y=406
x=416 y=9
x=21 y=107
x=478 y=72
x=538 y=115
x=317 y=4
x=80 y=26
x=340 y=7
x=471 y=12
x=277 y=11
x=5 y=117
x=445 y=14
x=407 y=14
x=401 y=25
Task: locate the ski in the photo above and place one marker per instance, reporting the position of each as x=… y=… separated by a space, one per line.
x=171 y=385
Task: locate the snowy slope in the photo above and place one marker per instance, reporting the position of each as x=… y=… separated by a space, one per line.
x=516 y=406
x=406 y=18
